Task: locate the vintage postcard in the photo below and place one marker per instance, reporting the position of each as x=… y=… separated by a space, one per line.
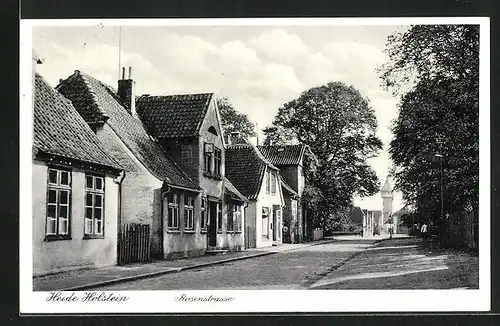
x=254 y=165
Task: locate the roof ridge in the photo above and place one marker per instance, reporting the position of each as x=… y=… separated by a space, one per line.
x=181 y=94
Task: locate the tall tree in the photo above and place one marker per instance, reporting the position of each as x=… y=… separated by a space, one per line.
x=234 y=121
x=435 y=71
x=339 y=126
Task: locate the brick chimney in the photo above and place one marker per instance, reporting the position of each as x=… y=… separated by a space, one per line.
x=126 y=91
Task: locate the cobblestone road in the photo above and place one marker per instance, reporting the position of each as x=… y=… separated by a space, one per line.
x=391 y=264
x=288 y=270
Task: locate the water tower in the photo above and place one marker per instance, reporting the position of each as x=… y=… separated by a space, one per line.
x=387 y=198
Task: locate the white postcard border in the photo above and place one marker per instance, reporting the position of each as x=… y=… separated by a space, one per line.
x=257 y=300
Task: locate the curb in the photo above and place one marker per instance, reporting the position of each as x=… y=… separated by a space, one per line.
x=178 y=269
x=158 y=273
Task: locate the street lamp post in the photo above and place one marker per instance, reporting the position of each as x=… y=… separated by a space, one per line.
x=440 y=155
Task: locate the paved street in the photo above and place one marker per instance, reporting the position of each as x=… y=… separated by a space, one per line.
x=391 y=264
x=287 y=270
x=405 y=264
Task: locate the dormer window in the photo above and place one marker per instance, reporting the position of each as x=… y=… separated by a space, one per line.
x=212 y=130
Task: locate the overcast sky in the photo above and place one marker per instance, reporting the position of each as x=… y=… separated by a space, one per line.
x=258 y=68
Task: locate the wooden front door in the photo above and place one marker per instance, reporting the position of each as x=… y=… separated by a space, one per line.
x=212 y=226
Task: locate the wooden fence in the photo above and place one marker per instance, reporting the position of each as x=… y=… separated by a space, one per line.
x=134 y=243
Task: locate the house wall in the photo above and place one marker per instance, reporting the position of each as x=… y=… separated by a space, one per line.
x=294 y=177
x=268 y=200
x=250 y=225
x=140 y=190
x=74 y=253
x=183 y=243
x=231 y=240
x=211 y=186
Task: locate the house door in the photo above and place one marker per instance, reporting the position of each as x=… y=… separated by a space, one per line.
x=212 y=225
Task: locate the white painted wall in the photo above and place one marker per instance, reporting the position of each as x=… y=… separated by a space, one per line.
x=74 y=253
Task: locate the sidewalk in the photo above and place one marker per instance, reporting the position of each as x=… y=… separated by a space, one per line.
x=406 y=263
x=97 y=277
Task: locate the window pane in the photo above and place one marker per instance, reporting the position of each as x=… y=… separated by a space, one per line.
x=170 y=217
x=51 y=211
x=98 y=227
x=98 y=200
x=89 y=181
x=63 y=226
x=99 y=185
x=52 y=176
x=51 y=226
x=88 y=212
x=88 y=226
x=52 y=196
x=64 y=177
x=88 y=200
x=63 y=197
x=98 y=213
x=63 y=211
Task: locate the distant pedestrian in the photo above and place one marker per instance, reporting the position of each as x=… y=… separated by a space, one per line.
x=423 y=231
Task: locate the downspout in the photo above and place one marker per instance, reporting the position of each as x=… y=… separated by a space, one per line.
x=118 y=180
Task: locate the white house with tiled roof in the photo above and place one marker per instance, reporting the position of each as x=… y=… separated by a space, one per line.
x=258 y=180
x=290 y=160
x=75 y=188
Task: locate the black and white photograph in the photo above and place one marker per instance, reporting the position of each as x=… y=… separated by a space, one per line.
x=173 y=165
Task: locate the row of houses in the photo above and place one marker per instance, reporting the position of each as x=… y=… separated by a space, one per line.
x=104 y=160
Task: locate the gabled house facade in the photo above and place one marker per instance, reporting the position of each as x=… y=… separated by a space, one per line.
x=188 y=128
x=290 y=161
x=155 y=190
x=75 y=184
x=259 y=181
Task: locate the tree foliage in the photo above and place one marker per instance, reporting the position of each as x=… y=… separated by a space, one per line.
x=438 y=114
x=234 y=121
x=339 y=126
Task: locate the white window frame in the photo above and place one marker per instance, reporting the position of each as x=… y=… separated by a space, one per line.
x=58 y=187
x=230 y=217
x=173 y=212
x=273 y=183
x=203 y=215
x=94 y=226
x=188 y=213
x=208 y=157
x=217 y=161
x=237 y=218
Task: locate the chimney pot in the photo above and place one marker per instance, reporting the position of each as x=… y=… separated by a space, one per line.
x=129 y=72
x=126 y=92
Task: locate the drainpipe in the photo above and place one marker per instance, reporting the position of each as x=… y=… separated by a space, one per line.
x=118 y=180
